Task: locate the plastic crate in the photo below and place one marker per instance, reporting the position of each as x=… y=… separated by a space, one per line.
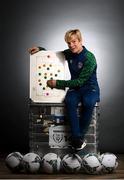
x=46 y=124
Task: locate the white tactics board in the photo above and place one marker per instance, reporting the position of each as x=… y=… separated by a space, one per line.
x=46 y=65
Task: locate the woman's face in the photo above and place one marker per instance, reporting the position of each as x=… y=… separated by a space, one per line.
x=74 y=44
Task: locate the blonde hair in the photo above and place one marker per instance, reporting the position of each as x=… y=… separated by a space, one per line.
x=71 y=32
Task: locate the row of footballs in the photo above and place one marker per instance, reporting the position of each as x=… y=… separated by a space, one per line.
x=91 y=163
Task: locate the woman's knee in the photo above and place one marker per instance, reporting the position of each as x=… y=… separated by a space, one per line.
x=71 y=101
x=89 y=103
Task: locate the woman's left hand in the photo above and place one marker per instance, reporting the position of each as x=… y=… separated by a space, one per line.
x=51 y=83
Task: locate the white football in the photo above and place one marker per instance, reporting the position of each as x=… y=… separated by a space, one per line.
x=14 y=161
x=51 y=163
x=71 y=163
x=91 y=163
x=31 y=162
x=109 y=162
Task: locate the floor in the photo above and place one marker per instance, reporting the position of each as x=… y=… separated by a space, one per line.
x=5 y=173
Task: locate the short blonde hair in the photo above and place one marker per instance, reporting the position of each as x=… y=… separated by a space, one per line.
x=71 y=32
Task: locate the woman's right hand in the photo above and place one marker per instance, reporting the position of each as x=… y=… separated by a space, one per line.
x=33 y=50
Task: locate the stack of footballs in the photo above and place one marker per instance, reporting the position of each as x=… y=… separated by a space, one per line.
x=90 y=163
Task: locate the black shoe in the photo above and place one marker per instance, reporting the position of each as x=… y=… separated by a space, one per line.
x=77 y=144
x=80 y=147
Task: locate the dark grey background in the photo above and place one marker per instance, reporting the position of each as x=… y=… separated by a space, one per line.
x=43 y=23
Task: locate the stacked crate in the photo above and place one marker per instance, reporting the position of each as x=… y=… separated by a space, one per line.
x=49 y=129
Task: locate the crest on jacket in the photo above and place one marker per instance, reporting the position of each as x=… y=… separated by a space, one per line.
x=80 y=65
